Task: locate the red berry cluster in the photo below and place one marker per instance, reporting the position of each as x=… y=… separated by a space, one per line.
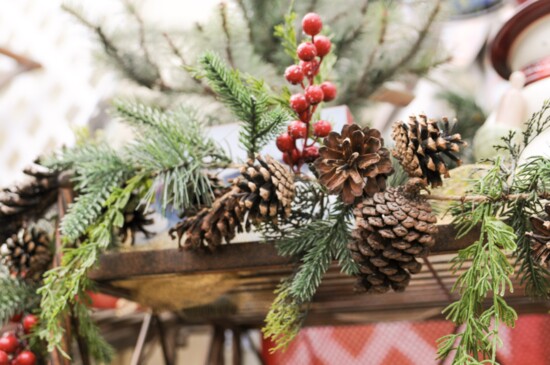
x=14 y=347
x=311 y=56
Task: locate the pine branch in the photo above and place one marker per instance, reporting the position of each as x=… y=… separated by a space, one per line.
x=323 y=237
x=97 y=170
x=171 y=148
x=249 y=102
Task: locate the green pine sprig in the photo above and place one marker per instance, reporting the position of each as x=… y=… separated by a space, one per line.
x=248 y=100
x=172 y=149
x=320 y=242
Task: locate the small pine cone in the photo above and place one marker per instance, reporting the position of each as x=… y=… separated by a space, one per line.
x=212 y=225
x=354 y=163
x=262 y=193
x=27 y=253
x=393 y=229
x=420 y=145
x=540 y=238
x=267 y=189
x=27 y=200
x=136 y=219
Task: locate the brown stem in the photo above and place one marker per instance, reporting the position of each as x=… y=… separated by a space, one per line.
x=225 y=25
x=483 y=198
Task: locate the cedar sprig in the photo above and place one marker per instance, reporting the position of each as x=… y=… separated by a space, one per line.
x=66 y=285
x=285 y=317
x=487 y=276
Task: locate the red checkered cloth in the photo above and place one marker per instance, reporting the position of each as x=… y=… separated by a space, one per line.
x=407 y=343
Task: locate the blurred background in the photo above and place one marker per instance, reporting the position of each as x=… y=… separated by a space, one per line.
x=62 y=62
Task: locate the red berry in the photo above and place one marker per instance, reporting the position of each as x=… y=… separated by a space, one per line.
x=306 y=51
x=299 y=103
x=314 y=94
x=4 y=360
x=25 y=358
x=329 y=91
x=312 y=24
x=9 y=343
x=310 y=68
x=322 y=128
x=310 y=153
x=16 y=317
x=284 y=142
x=294 y=74
x=29 y=322
x=297 y=129
x=322 y=45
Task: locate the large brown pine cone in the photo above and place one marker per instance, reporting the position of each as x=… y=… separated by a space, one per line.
x=420 y=145
x=27 y=200
x=540 y=238
x=354 y=163
x=27 y=253
x=393 y=229
x=263 y=192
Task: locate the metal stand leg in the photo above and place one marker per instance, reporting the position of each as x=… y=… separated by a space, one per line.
x=215 y=354
x=237 y=347
x=168 y=358
x=136 y=356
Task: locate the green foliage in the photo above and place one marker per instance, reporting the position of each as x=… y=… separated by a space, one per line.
x=171 y=148
x=285 y=317
x=487 y=278
x=248 y=101
x=319 y=242
x=90 y=333
x=97 y=171
x=287 y=34
x=16 y=296
x=532 y=177
x=66 y=285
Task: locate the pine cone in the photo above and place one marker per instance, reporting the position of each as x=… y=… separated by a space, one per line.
x=393 y=229
x=27 y=253
x=136 y=219
x=420 y=146
x=267 y=188
x=354 y=163
x=27 y=200
x=540 y=238
x=264 y=191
